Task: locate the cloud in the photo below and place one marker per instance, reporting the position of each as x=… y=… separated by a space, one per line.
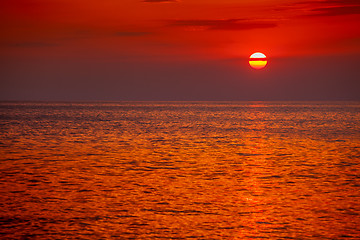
x=69 y=36
x=318 y=8
x=342 y=2
x=159 y=1
x=227 y=24
x=335 y=11
x=32 y=44
x=131 y=34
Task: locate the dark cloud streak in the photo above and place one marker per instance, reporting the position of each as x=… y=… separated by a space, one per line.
x=227 y=24
x=32 y=44
x=159 y=1
x=132 y=34
x=329 y=8
x=335 y=11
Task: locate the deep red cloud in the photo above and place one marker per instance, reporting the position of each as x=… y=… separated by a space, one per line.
x=227 y=24
x=323 y=8
x=159 y=1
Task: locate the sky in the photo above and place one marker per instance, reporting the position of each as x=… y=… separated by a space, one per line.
x=179 y=50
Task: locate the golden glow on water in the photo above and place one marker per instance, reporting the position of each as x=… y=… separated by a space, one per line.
x=181 y=170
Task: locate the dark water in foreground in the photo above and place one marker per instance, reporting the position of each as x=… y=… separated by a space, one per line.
x=135 y=170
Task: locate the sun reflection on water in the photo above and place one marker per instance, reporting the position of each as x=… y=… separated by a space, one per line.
x=181 y=170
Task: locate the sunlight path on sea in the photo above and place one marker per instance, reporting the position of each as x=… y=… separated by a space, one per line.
x=135 y=170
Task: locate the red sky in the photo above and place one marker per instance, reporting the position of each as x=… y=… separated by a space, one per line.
x=179 y=50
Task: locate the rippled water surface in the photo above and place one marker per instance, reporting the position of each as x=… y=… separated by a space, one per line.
x=180 y=170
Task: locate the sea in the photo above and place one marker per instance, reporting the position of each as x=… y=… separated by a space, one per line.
x=180 y=170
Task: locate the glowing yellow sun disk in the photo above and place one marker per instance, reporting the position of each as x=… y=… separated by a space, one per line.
x=258 y=60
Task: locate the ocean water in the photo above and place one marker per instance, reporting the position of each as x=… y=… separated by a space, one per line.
x=180 y=170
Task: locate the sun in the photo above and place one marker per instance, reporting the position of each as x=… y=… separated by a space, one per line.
x=258 y=60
